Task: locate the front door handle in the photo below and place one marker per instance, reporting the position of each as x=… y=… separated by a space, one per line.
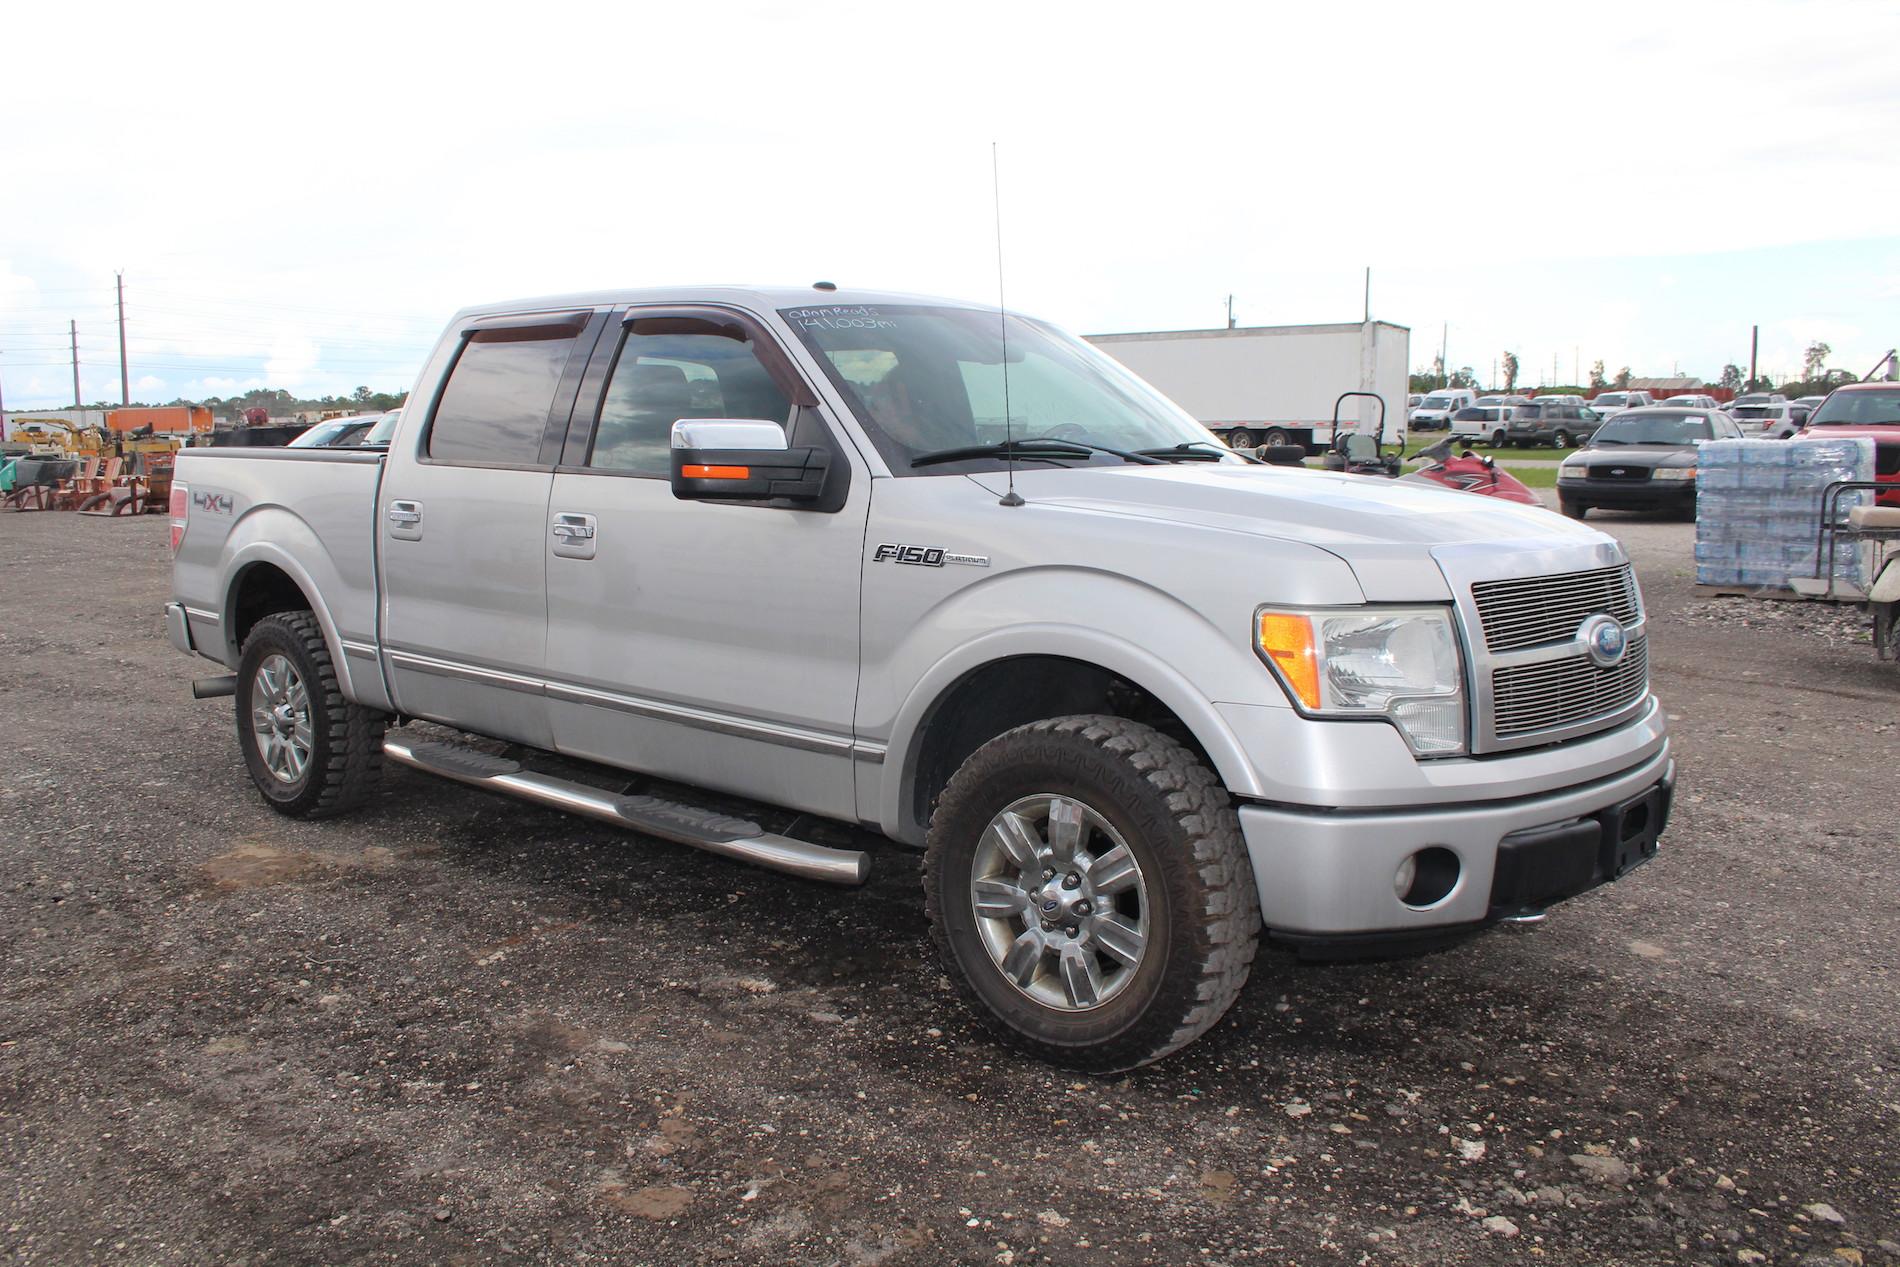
x=573 y=534
x=405 y=512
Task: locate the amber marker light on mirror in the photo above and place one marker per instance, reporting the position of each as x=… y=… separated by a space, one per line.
x=696 y=472
x=1287 y=640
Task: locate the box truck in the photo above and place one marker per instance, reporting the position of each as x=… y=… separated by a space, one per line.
x=1275 y=384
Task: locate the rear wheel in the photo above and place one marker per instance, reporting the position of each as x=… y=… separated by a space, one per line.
x=1088 y=888
x=311 y=752
x=1240 y=438
x=1274 y=436
x=1498 y=438
x=1572 y=508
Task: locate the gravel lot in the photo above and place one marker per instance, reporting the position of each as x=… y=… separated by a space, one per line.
x=454 y=1029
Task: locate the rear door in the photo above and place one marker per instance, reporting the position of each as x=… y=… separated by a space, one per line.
x=463 y=522
x=712 y=643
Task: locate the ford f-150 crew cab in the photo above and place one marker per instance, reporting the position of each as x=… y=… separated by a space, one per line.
x=915 y=566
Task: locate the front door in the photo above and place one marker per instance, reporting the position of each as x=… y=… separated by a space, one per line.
x=712 y=643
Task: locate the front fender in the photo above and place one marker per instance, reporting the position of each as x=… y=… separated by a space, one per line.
x=1180 y=656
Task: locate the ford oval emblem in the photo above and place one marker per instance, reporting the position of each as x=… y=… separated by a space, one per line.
x=1604 y=639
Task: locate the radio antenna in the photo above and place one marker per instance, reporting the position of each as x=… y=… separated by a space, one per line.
x=1011 y=498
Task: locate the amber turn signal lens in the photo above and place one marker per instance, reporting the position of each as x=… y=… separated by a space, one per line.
x=695 y=472
x=1287 y=640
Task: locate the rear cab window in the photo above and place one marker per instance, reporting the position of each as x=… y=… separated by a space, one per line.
x=494 y=409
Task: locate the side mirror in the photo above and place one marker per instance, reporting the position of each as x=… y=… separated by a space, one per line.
x=743 y=459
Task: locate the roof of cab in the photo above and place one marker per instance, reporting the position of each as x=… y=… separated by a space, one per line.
x=757 y=298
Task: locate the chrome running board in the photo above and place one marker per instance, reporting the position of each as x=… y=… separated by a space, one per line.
x=669 y=820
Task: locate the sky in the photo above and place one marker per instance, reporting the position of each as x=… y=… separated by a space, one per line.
x=300 y=197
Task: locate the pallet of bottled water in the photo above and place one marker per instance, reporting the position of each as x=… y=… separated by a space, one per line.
x=1758 y=512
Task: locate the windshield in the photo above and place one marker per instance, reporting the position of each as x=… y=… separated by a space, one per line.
x=1877 y=408
x=1611 y=401
x=1655 y=429
x=924 y=378
x=1756 y=411
x=380 y=433
x=320 y=435
x=1437 y=402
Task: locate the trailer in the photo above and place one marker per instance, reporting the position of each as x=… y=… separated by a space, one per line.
x=1274 y=384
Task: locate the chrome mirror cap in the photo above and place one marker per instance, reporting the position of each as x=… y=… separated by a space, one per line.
x=728 y=433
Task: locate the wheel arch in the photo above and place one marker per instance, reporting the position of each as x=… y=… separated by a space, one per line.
x=1002 y=682
x=265 y=580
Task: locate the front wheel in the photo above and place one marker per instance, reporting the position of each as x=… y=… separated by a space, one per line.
x=310 y=751
x=1088 y=888
x=1498 y=438
x=1572 y=508
x=1565 y=440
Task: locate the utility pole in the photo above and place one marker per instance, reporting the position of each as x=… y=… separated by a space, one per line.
x=3 y=412
x=1754 y=346
x=1230 y=312
x=1576 y=363
x=75 y=332
x=1368 y=292
x=125 y=388
x=1444 y=342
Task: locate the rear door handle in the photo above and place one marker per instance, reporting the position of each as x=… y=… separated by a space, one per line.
x=573 y=534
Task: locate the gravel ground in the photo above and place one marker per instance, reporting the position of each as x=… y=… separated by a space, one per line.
x=453 y=1029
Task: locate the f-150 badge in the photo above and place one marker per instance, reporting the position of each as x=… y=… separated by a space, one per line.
x=926 y=556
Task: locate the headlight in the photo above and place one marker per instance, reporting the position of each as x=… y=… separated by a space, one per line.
x=1398 y=664
x=1673 y=473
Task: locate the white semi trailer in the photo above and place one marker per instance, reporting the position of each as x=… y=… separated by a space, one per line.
x=1275 y=384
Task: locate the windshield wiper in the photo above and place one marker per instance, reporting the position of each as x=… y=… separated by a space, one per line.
x=1044 y=448
x=1197 y=451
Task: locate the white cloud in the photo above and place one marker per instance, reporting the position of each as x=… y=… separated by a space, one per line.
x=1152 y=161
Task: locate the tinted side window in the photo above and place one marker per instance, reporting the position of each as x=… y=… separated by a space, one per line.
x=495 y=405
x=660 y=378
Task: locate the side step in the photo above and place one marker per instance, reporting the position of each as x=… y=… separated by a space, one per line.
x=670 y=820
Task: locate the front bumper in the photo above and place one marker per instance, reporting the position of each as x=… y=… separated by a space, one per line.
x=1650 y=494
x=1330 y=874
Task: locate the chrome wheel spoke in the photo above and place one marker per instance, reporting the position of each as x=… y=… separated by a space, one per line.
x=1114 y=871
x=1018 y=841
x=1065 y=828
x=999 y=899
x=1081 y=979
x=1024 y=958
x=1119 y=939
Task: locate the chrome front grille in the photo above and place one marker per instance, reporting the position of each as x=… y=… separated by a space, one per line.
x=1548 y=694
x=1533 y=610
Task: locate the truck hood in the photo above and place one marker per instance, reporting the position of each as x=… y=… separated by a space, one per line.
x=1382 y=528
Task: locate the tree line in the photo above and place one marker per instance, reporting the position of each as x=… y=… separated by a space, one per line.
x=1815 y=380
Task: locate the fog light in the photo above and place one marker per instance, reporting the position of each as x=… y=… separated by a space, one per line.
x=1407 y=872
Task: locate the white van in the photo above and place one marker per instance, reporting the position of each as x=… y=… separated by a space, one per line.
x=1435 y=411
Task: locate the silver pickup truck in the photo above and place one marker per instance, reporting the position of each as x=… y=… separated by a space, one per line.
x=914 y=566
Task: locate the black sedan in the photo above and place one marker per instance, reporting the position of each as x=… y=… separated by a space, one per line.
x=1642 y=459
